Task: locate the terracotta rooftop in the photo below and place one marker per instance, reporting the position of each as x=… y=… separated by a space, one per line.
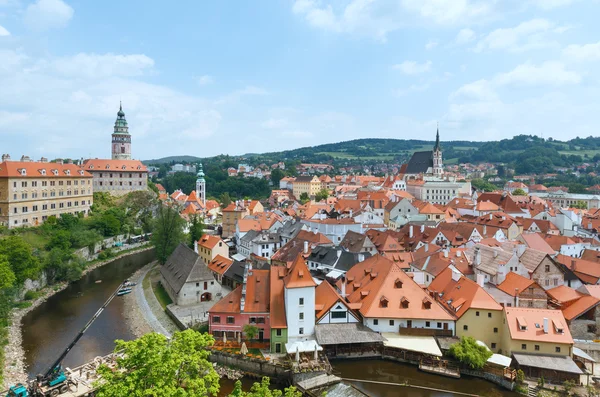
x=277 y=298
x=563 y=294
x=299 y=276
x=514 y=284
x=220 y=264
x=527 y=324
x=209 y=241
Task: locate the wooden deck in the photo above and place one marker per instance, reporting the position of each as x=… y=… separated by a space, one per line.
x=439 y=368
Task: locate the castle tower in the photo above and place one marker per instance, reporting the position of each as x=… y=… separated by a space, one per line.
x=121 y=140
x=438 y=166
x=201 y=185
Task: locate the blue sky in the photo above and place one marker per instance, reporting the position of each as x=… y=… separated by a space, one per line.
x=204 y=78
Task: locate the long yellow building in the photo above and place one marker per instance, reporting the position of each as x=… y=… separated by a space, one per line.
x=32 y=191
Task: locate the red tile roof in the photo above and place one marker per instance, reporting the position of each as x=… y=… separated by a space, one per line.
x=209 y=241
x=529 y=317
x=299 y=276
x=277 y=298
x=114 y=165
x=220 y=264
x=514 y=284
x=36 y=169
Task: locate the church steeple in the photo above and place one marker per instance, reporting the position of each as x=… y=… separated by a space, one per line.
x=201 y=185
x=438 y=167
x=437 y=146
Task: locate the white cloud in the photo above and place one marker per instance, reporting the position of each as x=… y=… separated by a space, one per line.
x=548 y=73
x=478 y=90
x=365 y=17
x=274 y=123
x=236 y=95
x=464 y=36
x=48 y=14
x=528 y=35
x=431 y=44
x=550 y=4
x=583 y=52
x=449 y=11
x=3 y=31
x=205 y=80
x=103 y=65
x=412 y=67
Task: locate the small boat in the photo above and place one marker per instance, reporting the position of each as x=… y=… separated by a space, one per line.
x=129 y=284
x=124 y=291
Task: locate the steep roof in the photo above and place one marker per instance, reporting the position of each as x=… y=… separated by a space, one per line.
x=184 y=266
x=209 y=241
x=277 y=298
x=381 y=287
x=353 y=241
x=419 y=162
x=528 y=324
x=220 y=264
x=491 y=258
x=299 y=276
x=325 y=298
x=563 y=294
x=99 y=165
x=460 y=295
x=531 y=258
x=580 y=306
x=537 y=242
x=514 y=284
x=257 y=292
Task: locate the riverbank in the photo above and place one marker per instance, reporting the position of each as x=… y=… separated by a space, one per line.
x=15 y=370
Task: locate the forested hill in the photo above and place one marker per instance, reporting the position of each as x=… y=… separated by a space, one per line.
x=526 y=153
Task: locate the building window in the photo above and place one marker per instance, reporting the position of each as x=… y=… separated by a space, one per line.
x=490 y=315
x=439 y=325
x=391 y=323
x=216 y=320
x=465 y=327
x=376 y=322
x=557 y=349
x=301 y=315
x=493 y=345
x=427 y=324
x=547 y=267
x=495 y=330
x=230 y=320
x=477 y=314
x=536 y=347
x=301 y=301
x=523 y=346
x=338 y=314
x=278 y=332
x=301 y=331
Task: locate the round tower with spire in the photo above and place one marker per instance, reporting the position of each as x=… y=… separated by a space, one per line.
x=201 y=185
x=438 y=166
x=121 y=140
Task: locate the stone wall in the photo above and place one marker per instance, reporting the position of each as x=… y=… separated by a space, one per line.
x=499 y=380
x=254 y=366
x=590 y=347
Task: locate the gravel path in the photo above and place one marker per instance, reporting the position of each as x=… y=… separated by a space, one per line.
x=151 y=309
x=134 y=317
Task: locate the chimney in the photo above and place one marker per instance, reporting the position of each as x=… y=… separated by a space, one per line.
x=546 y=325
x=5 y=157
x=410 y=231
x=306 y=247
x=25 y=159
x=446 y=253
x=458 y=254
x=503 y=218
x=495 y=253
x=573 y=264
x=344 y=286
x=350 y=213
x=455 y=275
x=195 y=246
x=422 y=228
x=43 y=160
x=339 y=253
x=477 y=257
x=426 y=247
x=361 y=257
x=491 y=216
x=480 y=280
x=484 y=230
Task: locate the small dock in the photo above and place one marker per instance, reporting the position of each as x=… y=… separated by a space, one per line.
x=318 y=382
x=440 y=367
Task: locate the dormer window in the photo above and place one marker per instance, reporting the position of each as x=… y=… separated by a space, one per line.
x=107 y=166
x=91 y=166
x=43 y=171
x=23 y=171
x=80 y=172
x=68 y=172
x=139 y=168
x=123 y=167
x=426 y=304
x=383 y=302
x=398 y=283
x=404 y=302
x=55 y=172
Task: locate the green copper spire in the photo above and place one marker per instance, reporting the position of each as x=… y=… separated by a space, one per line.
x=200 y=173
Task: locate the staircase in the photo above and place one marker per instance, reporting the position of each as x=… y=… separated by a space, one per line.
x=532 y=391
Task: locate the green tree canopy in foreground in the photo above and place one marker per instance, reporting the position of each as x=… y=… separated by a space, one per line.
x=470 y=353
x=262 y=390
x=156 y=366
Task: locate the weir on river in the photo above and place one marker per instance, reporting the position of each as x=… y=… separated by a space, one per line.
x=49 y=328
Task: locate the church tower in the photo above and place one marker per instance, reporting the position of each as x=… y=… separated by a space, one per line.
x=201 y=185
x=121 y=140
x=438 y=166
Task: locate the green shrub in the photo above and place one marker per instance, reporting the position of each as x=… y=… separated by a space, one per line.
x=31 y=295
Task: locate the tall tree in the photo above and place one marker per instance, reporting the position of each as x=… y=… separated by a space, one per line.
x=196 y=229
x=156 y=366
x=225 y=199
x=277 y=175
x=167 y=232
x=20 y=257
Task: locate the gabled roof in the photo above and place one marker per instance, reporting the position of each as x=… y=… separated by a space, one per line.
x=514 y=284
x=419 y=162
x=563 y=294
x=580 y=306
x=184 y=266
x=353 y=241
x=378 y=280
x=531 y=258
x=99 y=165
x=325 y=298
x=209 y=241
x=35 y=169
x=220 y=264
x=502 y=200
x=299 y=276
x=460 y=295
x=491 y=258
x=537 y=242
x=534 y=325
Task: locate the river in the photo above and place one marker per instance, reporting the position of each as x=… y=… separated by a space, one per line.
x=49 y=328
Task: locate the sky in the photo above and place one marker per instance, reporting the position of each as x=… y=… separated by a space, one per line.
x=209 y=77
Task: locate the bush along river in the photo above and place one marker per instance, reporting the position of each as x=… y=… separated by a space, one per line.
x=50 y=327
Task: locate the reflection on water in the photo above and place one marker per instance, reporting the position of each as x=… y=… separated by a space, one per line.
x=49 y=329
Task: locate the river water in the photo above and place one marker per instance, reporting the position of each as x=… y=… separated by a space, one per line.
x=49 y=329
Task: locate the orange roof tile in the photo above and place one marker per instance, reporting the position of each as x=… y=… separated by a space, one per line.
x=536 y=333
x=298 y=275
x=537 y=242
x=230 y=303
x=514 y=284
x=114 y=165
x=277 y=299
x=36 y=169
x=220 y=264
x=257 y=292
x=325 y=298
x=580 y=306
x=209 y=241
x=563 y=294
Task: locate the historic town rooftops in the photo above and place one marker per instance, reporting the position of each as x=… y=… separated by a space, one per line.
x=277 y=298
x=528 y=324
x=99 y=165
x=579 y=307
x=502 y=200
x=556 y=242
x=459 y=294
x=514 y=284
x=298 y=276
x=183 y=266
x=325 y=298
x=419 y=163
x=209 y=241
x=488 y=259
x=563 y=294
x=587 y=271
x=353 y=241
x=30 y=169
x=220 y=264
x=531 y=258
x=386 y=291
x=537 y=242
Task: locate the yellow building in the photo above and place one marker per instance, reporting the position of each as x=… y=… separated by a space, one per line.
x=306 y=184
x=536 y=331
x=32 y=191
x=478 y=314
x=208 y=247
x=231 y=214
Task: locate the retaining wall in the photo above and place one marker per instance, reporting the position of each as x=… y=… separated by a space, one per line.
x=499 y=380
x=281 y=374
